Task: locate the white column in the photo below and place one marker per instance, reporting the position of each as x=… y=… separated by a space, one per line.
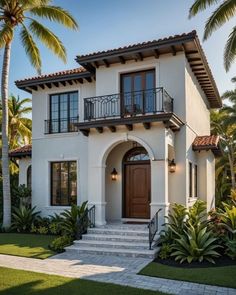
x=206 y=178
x=96 y=193
x=159 y=180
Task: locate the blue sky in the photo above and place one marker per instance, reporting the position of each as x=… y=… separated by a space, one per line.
x=107 y=24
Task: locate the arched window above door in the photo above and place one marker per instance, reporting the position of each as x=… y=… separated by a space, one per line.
x=136 y=154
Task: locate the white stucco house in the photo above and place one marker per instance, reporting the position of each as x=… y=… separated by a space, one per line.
x=128 y=131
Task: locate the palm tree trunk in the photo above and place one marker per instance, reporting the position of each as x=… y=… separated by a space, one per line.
x=231 y=165
x=5 y=149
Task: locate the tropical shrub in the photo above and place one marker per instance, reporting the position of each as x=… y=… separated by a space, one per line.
x=60 y=243
x=23 y=218
x=230 y=247
x=165 y=251
x=188 y=236
x=70 y=221
x=22 y=195
x=196 y=244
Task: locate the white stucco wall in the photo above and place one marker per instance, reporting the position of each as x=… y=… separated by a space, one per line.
x=24 y=164
x=97 y=151
x=56 y=147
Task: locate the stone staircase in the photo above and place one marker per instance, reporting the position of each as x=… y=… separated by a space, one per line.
x=126 y=240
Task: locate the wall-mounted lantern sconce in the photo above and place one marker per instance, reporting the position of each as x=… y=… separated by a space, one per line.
x=114 y=174
x=172 y=166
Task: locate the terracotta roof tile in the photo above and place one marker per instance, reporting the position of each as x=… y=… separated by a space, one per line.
x=21 y=151
x=139 y=44
x=56 y=74
x=206 y=142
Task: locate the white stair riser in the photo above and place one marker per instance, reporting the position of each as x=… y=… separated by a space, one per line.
x=115 y=246
x=114 y=239
x=120 y=233
x=103 y=252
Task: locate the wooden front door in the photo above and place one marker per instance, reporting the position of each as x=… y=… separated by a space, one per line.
x=137 y=190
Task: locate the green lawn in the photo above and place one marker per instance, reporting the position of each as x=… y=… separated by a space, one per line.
x=17 y=282
x=220 y=276
x=27 y=245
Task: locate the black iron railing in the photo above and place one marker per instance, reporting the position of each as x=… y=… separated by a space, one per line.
x=61 y=125
x=87 y=220
x=153 y=228
x=149 y=101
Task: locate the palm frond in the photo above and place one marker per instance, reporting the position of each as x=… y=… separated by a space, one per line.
x=27 y=4
x=6 y=35
x=200 y=5
x=230 y=50
x=219 y=17
x=55 y=13
x=50 y=40
x=31 y=48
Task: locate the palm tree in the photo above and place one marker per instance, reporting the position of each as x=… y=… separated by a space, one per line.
x=18 y=15
x=19 y=124
x=225 y=11
x=222 y=125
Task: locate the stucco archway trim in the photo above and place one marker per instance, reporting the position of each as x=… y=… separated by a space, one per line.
x=123 y=138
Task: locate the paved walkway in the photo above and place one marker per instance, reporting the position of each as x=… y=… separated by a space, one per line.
x=108 y=269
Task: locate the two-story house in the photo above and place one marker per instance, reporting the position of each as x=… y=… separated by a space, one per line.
x=129 y=131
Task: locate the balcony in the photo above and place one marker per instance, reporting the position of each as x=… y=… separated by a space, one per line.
x=144 y=107
x=61 y=125
x=129 y=104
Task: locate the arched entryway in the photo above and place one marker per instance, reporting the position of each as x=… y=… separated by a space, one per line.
x=136 y=183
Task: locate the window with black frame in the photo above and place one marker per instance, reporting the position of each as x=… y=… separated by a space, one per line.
x=63 y=112
x=195 y=181
x=190 y=180
x=63 y=183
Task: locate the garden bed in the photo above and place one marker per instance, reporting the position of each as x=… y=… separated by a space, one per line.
x=26 y=245
x=219 y=262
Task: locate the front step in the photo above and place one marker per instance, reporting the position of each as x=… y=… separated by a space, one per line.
x=118 y=240
x=111 y=244
x=116 y=252
x=114 y=238
x=114 y=231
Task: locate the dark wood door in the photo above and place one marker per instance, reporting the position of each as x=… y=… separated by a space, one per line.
x=137 y=191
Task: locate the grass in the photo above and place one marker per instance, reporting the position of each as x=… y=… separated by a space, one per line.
x=26 y=245
x=17 y=282
x=220 y=276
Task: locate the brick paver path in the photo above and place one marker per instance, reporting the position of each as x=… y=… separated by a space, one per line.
x=109 y=269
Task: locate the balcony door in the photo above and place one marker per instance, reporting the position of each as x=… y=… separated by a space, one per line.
x=138 y=93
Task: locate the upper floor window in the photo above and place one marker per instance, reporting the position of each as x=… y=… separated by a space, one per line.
x=63 y=112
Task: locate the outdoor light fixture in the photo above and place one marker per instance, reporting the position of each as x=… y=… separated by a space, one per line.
x=172 y=166
x=114 y=174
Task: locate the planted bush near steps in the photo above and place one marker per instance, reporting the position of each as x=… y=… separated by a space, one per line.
x=187 y=236
x=72 y=219
x=60 y=243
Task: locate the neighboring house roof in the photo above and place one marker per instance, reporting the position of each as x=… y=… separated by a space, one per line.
x=74 y=75
x=21 y=151
x=207 y=142
x=188 y=43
